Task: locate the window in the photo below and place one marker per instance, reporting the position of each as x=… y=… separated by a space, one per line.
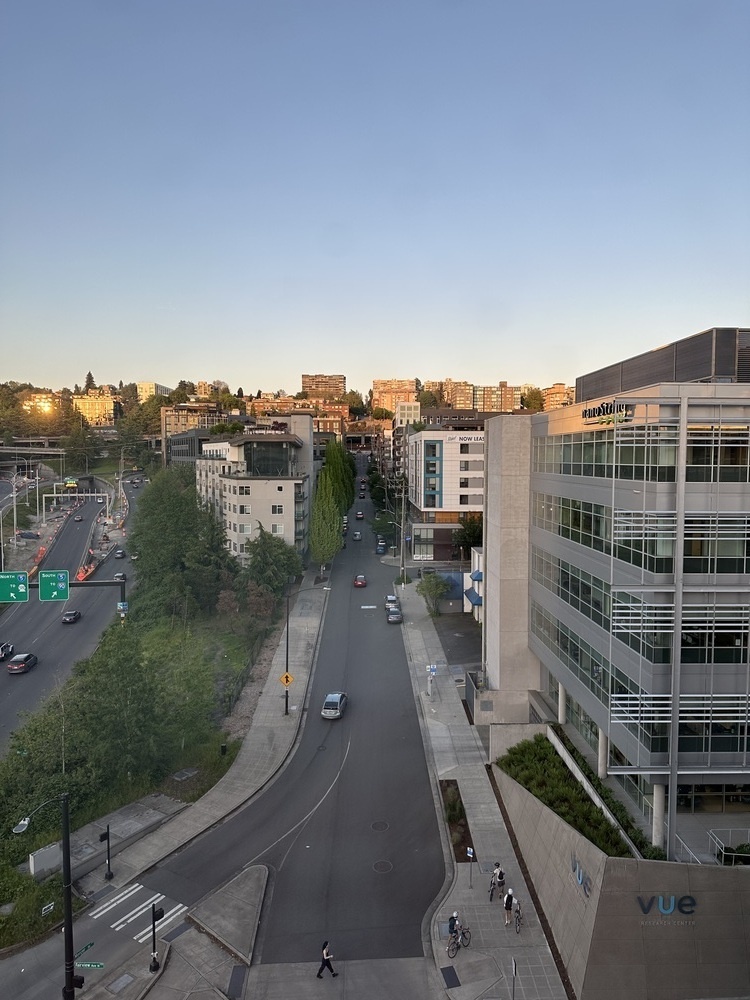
x=277 y=529
x=277 y=508
x=244 y=529
x=463 y=484
x=463 y=499
x=244 y=508
x=244 y=491
x=463 y=466
x=464 y=449
x=280 y=489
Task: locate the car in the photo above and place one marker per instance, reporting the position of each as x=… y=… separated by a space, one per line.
x=362 y=496
x=390 y=599
x=360 y=515
x=100 y=499
x=334 y=705
x=21 y=663
x=120 y=577
x=70 y=617
x=357 y=536
x=380 y=549
x=360 y=580
x=78 y=517
x=394 y=616
x=119 y=553
x=135 y=486
x=6 y=650
x=345 y=519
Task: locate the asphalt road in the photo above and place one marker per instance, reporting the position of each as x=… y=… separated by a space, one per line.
x=35 y=627
x=348 y=828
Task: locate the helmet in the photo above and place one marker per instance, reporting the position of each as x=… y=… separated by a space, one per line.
x=455 y=913
x=497 y=864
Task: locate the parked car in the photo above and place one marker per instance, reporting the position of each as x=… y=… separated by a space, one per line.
x=394 y=616
x=70 y=617
x=360 y=580
x=334 y=705
x=22 y=663
x=390 y=599
x=6 y=650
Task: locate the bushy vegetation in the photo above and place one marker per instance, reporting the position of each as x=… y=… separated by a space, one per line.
x=151 y=698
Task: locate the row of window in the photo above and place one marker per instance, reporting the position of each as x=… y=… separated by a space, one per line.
x=582 y=591
x=247 y=529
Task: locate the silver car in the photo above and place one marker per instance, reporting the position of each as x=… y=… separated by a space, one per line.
x=334 y=705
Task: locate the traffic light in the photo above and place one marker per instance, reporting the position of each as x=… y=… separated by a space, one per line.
x=158 y=913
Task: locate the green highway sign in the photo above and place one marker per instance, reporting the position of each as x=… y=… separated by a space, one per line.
x=54 y=585
x=14 y=588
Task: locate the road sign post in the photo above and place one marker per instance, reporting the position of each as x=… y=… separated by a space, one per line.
x=14 y=588
x=54 y=585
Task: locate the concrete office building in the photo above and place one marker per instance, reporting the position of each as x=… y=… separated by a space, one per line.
x=265 y=476
x=617 y=575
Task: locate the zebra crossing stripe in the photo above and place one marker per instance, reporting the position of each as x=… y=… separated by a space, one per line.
x=137 y=912
x=116 y=900
x=143 y=936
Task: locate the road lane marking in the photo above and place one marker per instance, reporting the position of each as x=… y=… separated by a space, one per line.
x=143 y=936
x=137 y=912
x=115 y=901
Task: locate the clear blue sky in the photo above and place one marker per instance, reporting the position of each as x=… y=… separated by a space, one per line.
x=480 y=189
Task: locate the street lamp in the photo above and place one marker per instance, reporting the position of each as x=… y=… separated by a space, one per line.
x=286 y=669
x=71 y=981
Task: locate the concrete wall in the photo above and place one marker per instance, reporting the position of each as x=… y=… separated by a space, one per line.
x=629 y=929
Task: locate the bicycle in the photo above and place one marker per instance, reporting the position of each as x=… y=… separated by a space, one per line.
x=519 y=916
x=496 y=883
x=458 y=938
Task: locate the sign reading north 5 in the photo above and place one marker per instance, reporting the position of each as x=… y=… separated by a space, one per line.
x=54 y=585
x=14 y=587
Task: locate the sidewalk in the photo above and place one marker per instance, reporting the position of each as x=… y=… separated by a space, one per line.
x=210 y=954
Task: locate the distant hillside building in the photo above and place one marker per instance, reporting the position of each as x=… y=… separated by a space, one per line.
x=184 y=416
x=327 y=386
x=387 y=393
x=558 y=395
x=148 y=389
x=99 y=406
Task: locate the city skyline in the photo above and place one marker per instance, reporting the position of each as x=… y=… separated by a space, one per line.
x=527 y=190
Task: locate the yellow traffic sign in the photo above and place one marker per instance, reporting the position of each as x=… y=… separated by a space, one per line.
x=286 y=679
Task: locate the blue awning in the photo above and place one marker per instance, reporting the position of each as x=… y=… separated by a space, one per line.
x=473 y=597
x=476 y=576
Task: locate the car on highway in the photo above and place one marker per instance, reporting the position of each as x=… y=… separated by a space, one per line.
x=70 y=617
x=120 y=577
x=334 y=705
x=362 y=495
x=360 y=515
x=357 y=536
x=6 y=650
x=360 y=580
x=21 y=663
x=394 y=616
x=78 y=517
x=119 y=553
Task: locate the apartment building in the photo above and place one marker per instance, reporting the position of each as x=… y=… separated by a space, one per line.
x=617 y=574
x=185 y=416
x=100 y=406
x=148 y=389
x=387 y=393
x=406 y=415
x=263 y=477
x=327 y=386
x=558 y=395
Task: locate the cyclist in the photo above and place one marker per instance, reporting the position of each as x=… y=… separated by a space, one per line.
x=454 y=928
x=497 y=880
x=508 y=906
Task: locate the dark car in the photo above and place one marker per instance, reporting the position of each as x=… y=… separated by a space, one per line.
x=362 y=496
x=360 y=515
x=21 y=663
x=6 y=650
x=360 y=581
x=70 y=617
x=394 y=616
x=120 y=554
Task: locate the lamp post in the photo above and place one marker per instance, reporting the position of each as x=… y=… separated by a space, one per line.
x=286 y=668
x=71 y=981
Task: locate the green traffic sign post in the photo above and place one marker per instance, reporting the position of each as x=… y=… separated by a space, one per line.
x=14 y=588
x=54 y=585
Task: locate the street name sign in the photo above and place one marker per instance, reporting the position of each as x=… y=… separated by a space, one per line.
x=54 y=585
x=14 y=588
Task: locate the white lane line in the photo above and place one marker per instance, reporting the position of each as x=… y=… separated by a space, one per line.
x=134 y=914
x=143 y=936
x=119 y=898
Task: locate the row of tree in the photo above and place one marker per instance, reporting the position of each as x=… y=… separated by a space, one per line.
x=334 y=495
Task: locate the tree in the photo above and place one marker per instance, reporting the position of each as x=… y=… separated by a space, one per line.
x=533 y=400
x=380 y=413
x=325 y=521
x=271 y=562
x=427 y=399
x=80 y=445
x=433 y=588
x=469 y=535
x=89 y=383
x=356 y=404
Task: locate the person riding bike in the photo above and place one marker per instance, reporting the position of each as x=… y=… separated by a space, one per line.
x=454 y=927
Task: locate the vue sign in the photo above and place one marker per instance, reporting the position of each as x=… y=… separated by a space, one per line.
x=684 y=905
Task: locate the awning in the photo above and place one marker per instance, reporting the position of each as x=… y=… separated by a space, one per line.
x=473 y=597
x=477 y=576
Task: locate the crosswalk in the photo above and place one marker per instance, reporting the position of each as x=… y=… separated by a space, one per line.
x=139 y=910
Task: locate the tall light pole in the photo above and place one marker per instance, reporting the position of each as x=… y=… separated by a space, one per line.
x=286 y=668
x=71 y=981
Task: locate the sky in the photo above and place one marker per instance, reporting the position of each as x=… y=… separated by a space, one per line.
x=482 y=190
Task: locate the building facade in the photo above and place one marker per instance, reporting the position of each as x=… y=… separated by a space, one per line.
x=185 y=416
x=327 y=386
x=148 y=389
x=264 y=477
x=101 y=406
x=617 y=585
x=387 y=393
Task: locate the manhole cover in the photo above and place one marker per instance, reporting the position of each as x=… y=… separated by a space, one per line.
x=380 y=826
x=382 y=867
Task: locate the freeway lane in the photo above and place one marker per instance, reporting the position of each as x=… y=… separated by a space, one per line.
x=348 y=828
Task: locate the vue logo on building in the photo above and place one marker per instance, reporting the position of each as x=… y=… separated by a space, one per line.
x=666 y=905
x=580 y=875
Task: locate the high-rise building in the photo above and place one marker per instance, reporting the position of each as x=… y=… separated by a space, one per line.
x=327 y=386
x=616 y=577
x=148 y=389
x=386 y=393
x=558 y=395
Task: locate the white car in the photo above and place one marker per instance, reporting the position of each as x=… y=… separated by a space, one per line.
x=334 y=705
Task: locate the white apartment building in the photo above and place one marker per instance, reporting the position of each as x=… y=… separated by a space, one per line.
x=265 y=476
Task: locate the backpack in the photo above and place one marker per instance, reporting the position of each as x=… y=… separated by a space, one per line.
x=452 y=925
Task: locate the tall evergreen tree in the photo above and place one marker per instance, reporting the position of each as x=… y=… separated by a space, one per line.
x=325 y=523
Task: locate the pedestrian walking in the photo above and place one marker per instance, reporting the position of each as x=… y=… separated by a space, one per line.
x=508 y=906
x=326 y=957
x=497 y=881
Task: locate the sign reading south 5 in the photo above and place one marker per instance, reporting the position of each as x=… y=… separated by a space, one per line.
x=54 y=585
